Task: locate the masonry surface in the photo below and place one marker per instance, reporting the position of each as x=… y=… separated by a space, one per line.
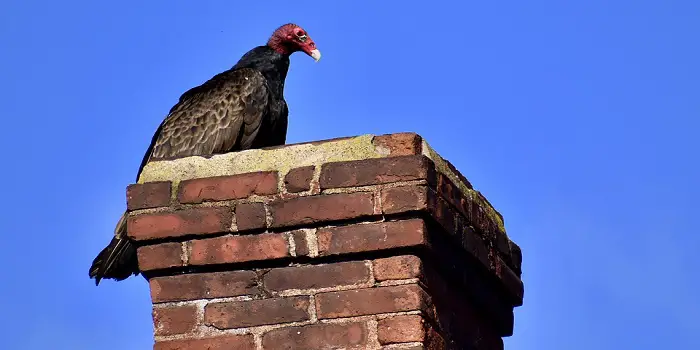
x=367 y=242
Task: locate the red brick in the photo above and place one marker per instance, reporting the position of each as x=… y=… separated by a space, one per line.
x=316 y=276
x=464 y=318
x=476 y=215
x=511 y=281
x=444 y=215
x=398 y=267
x=317 y=337
x=179 y=223
x=502 y=244
x=225 y=342
x=401 y=329
x=250 y=313
x=222 y=188
x=300 y=243
x=399 y=144
x=203 y=286
x=376 y=171
x=235 y=249
x=458 y=174
x=434 y=341
x=370 y=301
x=174 y=320
x=299 y=179
x=473 y=206
x=371 y=237
x=516 y=258
x=250 y=216
x=159 y=256
x=405 y=199
x=448 y=190
x=148 y=195
x=327 y=207
x=473 y=244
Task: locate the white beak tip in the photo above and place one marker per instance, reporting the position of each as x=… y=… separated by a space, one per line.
x=316 y=55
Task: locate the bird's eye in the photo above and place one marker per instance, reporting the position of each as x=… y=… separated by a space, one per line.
x=302 y=37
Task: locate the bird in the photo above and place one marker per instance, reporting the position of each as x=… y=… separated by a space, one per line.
x=238 y=109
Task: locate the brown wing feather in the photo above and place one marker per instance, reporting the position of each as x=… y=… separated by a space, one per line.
x=222 y=115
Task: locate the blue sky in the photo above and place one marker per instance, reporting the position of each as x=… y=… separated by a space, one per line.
x=576 y=119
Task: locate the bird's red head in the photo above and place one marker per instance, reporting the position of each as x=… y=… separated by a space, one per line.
x=290 y=38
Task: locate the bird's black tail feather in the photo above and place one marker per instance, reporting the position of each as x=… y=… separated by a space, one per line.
x=118 y=260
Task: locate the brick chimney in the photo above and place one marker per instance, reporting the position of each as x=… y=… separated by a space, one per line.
x=368 y=242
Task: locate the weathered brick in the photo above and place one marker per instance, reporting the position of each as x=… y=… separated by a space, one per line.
x=488 y=204
x=179 y=223
x=174 y=320
x=235 y=249
x=316 y=276
x=371 y=237
x=401 y=329
x=477 y=214
x=203 y=286
x=448 y=190
x=443 y=214
x=222 y=188
x=502 y=245
x=301 y=245
x=159 y=256
x=224 y=342
x=236 y=314
x=405 y=199
x=369 y=301
x=459 y=175
x=473 y=244
x=516 y=258
x=250 y=216
x=148 y=195
x=434 y=341
x=510 y=280
x=467 y=316
x=429 y=338
x=398 y=267
x=376 y=171
x=299 y=179
x=399 y=144
x=317 y=337
x=327 y=207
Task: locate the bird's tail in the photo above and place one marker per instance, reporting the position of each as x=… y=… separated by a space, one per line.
x=118 y=260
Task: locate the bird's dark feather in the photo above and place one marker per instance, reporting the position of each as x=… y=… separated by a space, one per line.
x=238 y=109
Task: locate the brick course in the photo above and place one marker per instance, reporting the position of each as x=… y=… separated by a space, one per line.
x=148 y=195
x=237 y=314
x=368 y=301
x=227 y=342
x=327 y=207
x=222 y=188
x=390 y=246
x=236 y=249
x=179 y=223
x=299 y=179
x=316 y=276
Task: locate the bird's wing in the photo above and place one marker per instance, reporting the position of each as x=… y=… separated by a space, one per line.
x=222 y=115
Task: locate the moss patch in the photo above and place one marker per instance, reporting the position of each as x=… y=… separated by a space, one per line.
x=285 y=158
x=442 y=167
x=279 y=159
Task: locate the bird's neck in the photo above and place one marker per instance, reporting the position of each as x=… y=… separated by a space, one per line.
x=273 y=65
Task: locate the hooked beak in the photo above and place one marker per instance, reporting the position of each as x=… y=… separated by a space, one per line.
x=315 y=54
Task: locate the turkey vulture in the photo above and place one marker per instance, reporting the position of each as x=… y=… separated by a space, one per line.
x=241 y=108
